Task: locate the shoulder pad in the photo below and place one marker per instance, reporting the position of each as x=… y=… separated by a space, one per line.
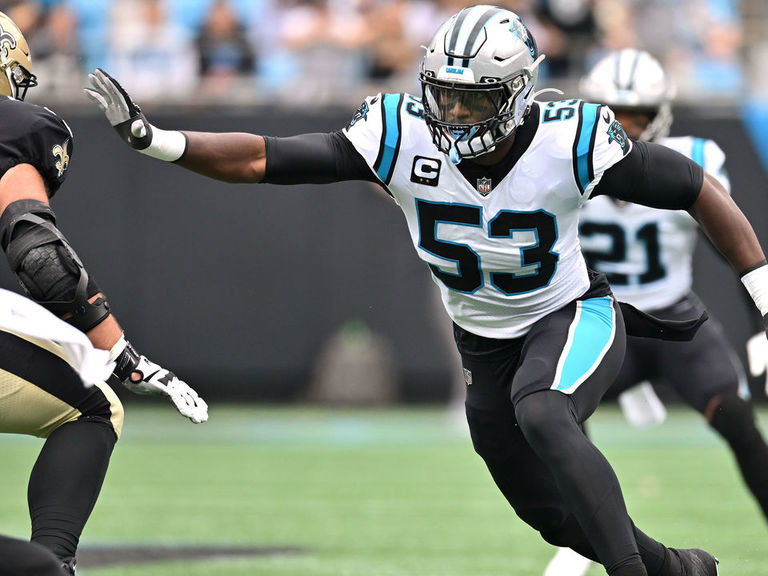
x=376 y=130
x=35 y=135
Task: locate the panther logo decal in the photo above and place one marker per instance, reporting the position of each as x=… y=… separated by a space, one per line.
x=616 y=134
x=360 y=114
x=60 y=152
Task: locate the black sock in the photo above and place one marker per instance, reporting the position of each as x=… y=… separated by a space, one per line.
x=66 y=481
x=22 y=558
x=631 y=570
x=652 y=552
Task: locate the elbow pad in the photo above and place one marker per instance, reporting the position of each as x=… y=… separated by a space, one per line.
x=47 y=267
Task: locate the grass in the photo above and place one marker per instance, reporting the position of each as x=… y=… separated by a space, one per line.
x=380 y=493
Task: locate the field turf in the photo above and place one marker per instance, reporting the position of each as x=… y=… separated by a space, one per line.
x=325 y=492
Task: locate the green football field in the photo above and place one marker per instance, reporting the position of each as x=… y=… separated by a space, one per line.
x=323 y=492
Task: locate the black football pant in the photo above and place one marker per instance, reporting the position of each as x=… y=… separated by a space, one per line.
x=525 y=405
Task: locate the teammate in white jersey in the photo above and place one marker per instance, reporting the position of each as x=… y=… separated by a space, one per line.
x=491 y=184
x=647 y=256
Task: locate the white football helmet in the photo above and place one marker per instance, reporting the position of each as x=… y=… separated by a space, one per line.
x=482 y=60
x=632 y=80
x=15 y=61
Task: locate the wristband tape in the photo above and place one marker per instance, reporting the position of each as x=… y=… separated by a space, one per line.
x=167 y=145
x=756 y=283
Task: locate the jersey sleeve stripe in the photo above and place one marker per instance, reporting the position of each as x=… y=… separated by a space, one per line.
x=389 y=146
x=583 y=170
x=697 y=151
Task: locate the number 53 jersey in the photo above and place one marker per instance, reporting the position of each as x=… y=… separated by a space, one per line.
x=507 y=253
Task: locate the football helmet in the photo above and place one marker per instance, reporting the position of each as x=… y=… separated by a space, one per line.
x=632 y=80
x=15 y=61
x=477 y=79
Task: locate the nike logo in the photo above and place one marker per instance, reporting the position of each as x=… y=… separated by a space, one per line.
x=606 y=116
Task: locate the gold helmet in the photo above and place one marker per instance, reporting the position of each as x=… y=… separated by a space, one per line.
x=15 y=62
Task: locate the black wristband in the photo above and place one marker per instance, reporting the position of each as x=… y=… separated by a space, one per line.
x=126 y=362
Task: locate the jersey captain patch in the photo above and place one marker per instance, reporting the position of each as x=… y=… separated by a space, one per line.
x=59 y=152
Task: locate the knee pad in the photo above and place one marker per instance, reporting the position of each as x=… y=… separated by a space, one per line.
x=734 y=419
x=46 y=265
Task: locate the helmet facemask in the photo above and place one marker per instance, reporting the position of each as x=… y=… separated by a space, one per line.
x=496 y=108
x=19 y=80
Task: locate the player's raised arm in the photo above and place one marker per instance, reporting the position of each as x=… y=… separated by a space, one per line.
x=235 y=157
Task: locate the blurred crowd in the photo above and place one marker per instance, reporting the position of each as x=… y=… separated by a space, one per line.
x=319 y=52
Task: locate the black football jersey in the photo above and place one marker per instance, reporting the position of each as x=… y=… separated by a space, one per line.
x=32 y=134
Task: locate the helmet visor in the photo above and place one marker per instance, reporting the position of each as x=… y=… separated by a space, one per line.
x=454 y=105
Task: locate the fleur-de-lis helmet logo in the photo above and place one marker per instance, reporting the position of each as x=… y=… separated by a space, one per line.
x=62 y=155
x=7 y=43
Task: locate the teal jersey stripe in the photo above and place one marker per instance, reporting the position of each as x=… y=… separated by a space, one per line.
x=697 y=151
x=391 y=137
x=587 y=343
x=584 y=145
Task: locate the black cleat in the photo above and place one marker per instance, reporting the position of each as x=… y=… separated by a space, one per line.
x=69 y=566
x=695 y=562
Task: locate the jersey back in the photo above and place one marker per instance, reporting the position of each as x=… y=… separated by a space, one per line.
x=647 y=253
x=34 y=135
x=503 y=254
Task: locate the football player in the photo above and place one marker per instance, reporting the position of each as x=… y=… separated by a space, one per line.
x=40 y=393
x=491 y=183
x=647 y=256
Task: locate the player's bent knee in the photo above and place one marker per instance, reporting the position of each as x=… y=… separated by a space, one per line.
x=734 y=418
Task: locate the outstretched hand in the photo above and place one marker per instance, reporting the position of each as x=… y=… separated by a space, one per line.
x=123 y=114
x=142 y=376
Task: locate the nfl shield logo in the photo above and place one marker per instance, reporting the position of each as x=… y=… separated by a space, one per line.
x=467 y=377
x=484 y=186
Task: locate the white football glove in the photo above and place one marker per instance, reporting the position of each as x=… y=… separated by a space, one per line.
x=130 y=123
x=757 y=355
x=143 y=376
x=125 y=116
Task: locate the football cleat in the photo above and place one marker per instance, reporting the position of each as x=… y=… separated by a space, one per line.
x=696 y=562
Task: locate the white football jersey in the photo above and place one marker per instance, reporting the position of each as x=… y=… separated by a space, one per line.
x=506 y=257
x=647 y=253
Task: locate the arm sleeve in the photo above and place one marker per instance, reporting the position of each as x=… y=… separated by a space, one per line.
x=655 y=176
x=314 y=159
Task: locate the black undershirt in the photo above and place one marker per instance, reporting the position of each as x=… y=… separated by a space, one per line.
x=651 y=174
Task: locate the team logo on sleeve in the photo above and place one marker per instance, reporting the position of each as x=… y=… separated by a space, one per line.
x=616 y=134
x=360 y=114
x=62 y=157
x=425 y=171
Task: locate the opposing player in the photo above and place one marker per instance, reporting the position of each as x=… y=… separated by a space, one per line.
x=491 y=183
x=647 y=256
x=40 y=393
